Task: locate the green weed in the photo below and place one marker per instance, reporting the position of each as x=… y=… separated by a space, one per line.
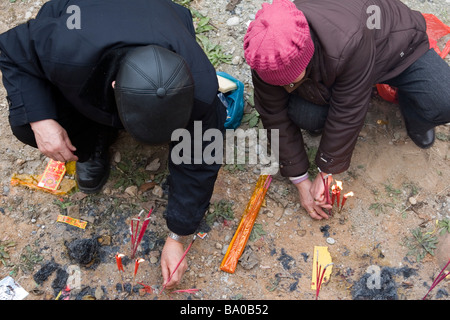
x=4 y=248
x=129 y=172
x=220 y=210
x=420 y=244
x=398 y=198
x=202 y=23
x=444 y=226
x=29 y=258
x=214 y=51
x=251 y=118
x=184 y=3
x=257 y=232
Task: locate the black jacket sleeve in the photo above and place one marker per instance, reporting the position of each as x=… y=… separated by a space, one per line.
x=28 y=88
x=29 y=94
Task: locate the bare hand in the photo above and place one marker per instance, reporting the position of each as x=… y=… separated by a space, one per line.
x=170 y=257
x=313 y=208
x=318 y=190
x=53 y=141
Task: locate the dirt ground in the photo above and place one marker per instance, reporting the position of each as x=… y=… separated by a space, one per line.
x=398 y=188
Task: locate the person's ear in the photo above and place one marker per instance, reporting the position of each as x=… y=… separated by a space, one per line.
x=113 y=84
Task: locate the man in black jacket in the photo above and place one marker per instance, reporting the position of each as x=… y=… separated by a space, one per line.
x=84 y=69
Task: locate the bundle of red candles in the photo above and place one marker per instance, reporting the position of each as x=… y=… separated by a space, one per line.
x=335 y=194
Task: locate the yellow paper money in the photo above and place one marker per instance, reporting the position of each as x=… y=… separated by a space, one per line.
x=322 y=258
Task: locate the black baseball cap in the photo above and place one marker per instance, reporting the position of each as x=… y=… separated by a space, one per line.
x=154 y=92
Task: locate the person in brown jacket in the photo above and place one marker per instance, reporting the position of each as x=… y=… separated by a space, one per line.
x=314 y=64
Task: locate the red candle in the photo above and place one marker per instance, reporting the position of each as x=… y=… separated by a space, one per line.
x=338 y=192
x=350 y=194
x=333 y=194
x=136 y=265
x=120 y=265
x=119 y=261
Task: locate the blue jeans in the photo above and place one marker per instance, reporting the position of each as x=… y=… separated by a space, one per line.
x=423 y=94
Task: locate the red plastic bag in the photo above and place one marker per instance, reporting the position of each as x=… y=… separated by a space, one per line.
x=436 y=29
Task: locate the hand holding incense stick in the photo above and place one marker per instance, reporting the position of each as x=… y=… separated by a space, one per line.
x=181 y=260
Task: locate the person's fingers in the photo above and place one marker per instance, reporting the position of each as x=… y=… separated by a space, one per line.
x=68 y=142
x=164 y=271
x=314 y=215
x=319 y=198
x=173 y=279
x=321 y=213
x=68 y=155
x=317 y=213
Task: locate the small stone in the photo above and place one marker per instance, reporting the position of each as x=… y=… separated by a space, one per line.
x=158 y=191
x=117 y=157
x=224 y=249
x=218 y=246
x=73 y=211
x=153 y=260
x=104 y=240
x=233 y=21
x=331 y=240
x=412 y=200
x=154 y=165
x=131 y=190
x=236 y=60
x=98 y=293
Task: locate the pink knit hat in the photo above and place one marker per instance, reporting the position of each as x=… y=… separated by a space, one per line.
x=278 y=44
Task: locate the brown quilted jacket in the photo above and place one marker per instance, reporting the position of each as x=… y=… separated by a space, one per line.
x=350 y=57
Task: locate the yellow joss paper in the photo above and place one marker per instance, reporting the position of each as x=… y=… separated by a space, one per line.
x=52 y=180
x=322 y=259
x=240 y=238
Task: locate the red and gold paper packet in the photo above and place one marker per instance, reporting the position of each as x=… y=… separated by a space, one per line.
x=72 y=221
x=53 y=175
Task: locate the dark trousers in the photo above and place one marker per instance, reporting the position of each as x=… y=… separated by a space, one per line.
x=423 y=94
x=83 y=132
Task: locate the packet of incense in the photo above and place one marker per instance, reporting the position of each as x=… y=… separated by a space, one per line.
x=53 y=175
x=72 y=221
x=240 y=238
